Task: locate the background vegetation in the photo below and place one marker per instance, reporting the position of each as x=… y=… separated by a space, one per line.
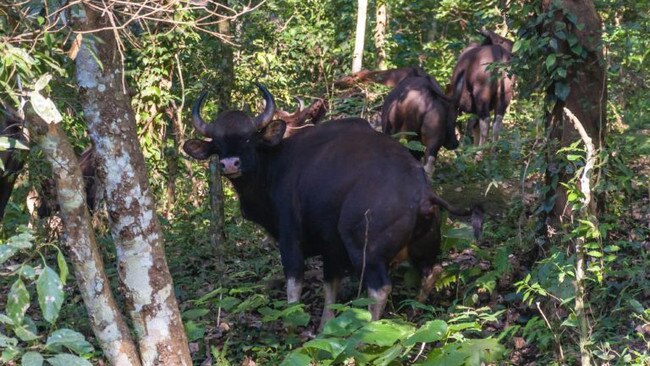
x=506 y=298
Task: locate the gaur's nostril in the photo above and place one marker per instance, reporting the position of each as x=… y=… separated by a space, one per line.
x=237 y=163
x=222 y=165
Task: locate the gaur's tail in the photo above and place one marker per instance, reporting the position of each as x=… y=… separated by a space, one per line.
x=476 y=213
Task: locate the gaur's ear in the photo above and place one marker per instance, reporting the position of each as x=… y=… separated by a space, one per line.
x=272 y=134
x=198 y=149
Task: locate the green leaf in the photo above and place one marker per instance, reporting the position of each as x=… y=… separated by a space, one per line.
x=11 y=143
x=65 y=359
x=69 y=339
x=50 y=293
x=7 y=341
x=193 y=314
x=17 y=301
x=346 y=323
x=194 y=330
x=573 y=157
x=431 y=331
x=636 y=306
x=388 y=356
x=27 y=271
x=384 y=332
x=296 y=359
x=333 y=346
x=42 y=82
x=9 y=354
x=562 y=90
x=550 y=61
x=6 y=252
x=24 y=333
x=45 y=108
x=594 y=253
x=63 y=267
x=22 y=241
x=5 y=320
x=32 y=359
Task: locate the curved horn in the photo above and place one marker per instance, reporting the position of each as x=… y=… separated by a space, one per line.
x=197 y=121
x=301 y=104
x=267 y=115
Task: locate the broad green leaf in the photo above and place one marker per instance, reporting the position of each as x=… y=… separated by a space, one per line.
x=550 y=61
x=346 y=323
x=50 y=293
x=6 y=251
x=45 y=108
x=193 y=314
x=333 y=346
x=6 y=320
x=69 y=339
x=22 y=241
x=388 y=356
x=636 y=306
x=431 y=331
x=65 y=359
x=194 y=330
x=11 y=143
x=63 y=267
x=32 y=359
x=42 y=82
x=27 y=271
x=9 y=354
x=17 y=301
x=482 y=351
x=24 y=333
x=7 y=341
x=296 y=359
x=384 y=332
x=594 y=253
x=562 y=90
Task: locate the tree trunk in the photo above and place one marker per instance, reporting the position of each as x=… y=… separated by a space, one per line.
x=587 y=90
x=380 y=34
x=142 y=268
x=81 y=247
x=357 y=56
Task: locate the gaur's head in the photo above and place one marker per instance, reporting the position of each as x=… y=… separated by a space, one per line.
x=235 y=137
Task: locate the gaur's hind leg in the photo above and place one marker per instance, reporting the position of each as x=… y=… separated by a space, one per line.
x=379 y=287
x=332 y=275
x=496 y=128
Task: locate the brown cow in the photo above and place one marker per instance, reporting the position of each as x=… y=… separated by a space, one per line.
x=418 y=105
x=485 y=88
x=298 y=120
x=389 y=78
x=339 y=190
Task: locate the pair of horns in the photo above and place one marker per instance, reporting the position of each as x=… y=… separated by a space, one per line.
x=260 y=121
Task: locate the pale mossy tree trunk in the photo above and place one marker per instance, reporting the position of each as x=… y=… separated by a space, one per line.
x=381 y=22
x=79 y=242
x=142 y=268
x=357 y=56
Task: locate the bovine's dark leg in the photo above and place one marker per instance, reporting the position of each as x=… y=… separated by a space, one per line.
x=472 y=131
x=332 y=274
x=379 y=287
x=293 y=260
x=496 y=128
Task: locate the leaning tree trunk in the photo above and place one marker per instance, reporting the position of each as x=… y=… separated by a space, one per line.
x=586 y=81
x=80 y=245
x=357 y=56
x=381 y=20
x=142 y=267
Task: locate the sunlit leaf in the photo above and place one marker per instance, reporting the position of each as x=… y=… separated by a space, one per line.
x=65 y=359
x=32 y=359
x=17 y=301
x=69 y=339
x=50 y=293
